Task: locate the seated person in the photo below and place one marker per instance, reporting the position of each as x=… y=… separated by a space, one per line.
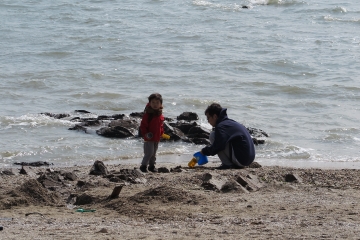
x=230 y=140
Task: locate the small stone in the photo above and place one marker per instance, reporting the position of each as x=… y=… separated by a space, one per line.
x=163 y=170
x=27 y=171
x=103 y=230
x=292 y=178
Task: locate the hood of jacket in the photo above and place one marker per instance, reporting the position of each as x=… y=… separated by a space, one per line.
x=223 y=116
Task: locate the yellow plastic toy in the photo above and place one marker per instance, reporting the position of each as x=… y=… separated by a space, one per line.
x=199 y=159
x=192 y=162
x=165 y=136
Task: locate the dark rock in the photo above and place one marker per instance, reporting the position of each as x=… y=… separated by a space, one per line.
x=115 y=179
x=103 y=230
x=115 y=132
x=82 y=111
x=27 y=171
x=54 y=176
x=177 y=135
x=293 y=178
x=71 y=199
x=199 y=135
x=131 y=173
x=184 y=126
x=99 y=168
x=258 y=141
x=105 y=117
x=70 y=176
x=254 y=165
x=121 y=128
x=56 y=116
x=212 y=182
x=92 y=122
x=163 y=170
x=126 y=123
x=206 y=177
x=75 y=119
x=122 y=177
x=80 y=183
x=137 y=114
x=79 y=128
x=176 y=169
x=50 y=181
x=10 y=171
x=198 y=130
x=33 y=164
x=255 y=132
x=174 y=133
x=188 y=116
x=118 y=116
x=200 y=141
x=84 y=199
x=233 y=186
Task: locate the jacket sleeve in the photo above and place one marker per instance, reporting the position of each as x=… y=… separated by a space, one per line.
x=144 y=126
x=162 y=125
x=218 y=145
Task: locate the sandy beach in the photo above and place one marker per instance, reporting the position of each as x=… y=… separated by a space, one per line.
x=258 y=202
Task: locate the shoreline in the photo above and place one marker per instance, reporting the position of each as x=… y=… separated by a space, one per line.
x=183 y=159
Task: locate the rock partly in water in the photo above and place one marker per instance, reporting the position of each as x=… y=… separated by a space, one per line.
x=184 y=128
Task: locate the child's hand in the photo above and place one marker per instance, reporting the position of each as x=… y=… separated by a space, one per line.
x=148 y=136
x=165 y=136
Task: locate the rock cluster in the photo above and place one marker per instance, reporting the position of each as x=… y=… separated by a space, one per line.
x=184 y=128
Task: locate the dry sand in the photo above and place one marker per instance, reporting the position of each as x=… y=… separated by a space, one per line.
x=274 y=203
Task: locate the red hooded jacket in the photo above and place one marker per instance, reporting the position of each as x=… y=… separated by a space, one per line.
x=154 y=126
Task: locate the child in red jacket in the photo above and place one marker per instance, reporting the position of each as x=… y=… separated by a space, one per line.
x=152 y=129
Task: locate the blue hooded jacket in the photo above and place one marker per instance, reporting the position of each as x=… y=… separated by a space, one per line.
x=230 y=131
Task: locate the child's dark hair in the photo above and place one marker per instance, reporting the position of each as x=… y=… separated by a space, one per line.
x=156 y=96
x=212 y=109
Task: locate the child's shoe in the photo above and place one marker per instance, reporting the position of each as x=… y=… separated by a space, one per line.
x=152 y=169
x=143 y=168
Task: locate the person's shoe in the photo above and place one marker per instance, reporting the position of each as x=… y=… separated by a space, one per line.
x=143 y=168
x=152 y=169
x=223 y=167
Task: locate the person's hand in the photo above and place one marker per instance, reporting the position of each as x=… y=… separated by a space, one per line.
x=149 y=135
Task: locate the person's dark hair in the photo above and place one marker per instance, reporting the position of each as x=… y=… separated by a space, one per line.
x=212 y=109
x=156 y=96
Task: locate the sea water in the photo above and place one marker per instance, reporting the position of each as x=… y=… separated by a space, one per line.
x=288 y=67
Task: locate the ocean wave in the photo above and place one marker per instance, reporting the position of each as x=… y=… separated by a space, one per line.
x=34 y=84
x=228 y=7
x=274 y=2
x=330 y=18
x=285 y=152
x=32 y=120
x=339 y=9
